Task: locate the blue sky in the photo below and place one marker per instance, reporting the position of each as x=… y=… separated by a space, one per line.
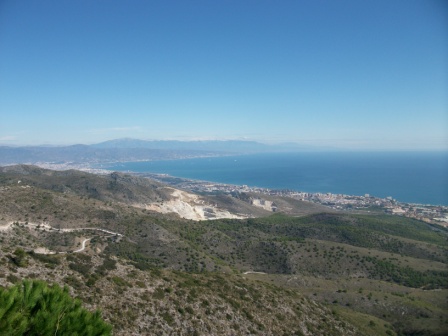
x=348 y=74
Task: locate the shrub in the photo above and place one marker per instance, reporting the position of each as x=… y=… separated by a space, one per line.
x=12 y=278
x=47 y=259
x=168 y=318
x=158 y=294
x=81 y=268
x=119 y=281
x=19 y=258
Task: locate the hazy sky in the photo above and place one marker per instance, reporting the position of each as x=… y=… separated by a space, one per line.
x=351 y=74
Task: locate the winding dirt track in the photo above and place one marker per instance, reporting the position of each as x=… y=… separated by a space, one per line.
x=45 y=227
x=83 y=245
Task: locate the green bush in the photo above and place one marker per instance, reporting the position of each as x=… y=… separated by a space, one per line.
x=119 y=281
x=47 y=259
x=34 y=308
x=81 y=268
x=12 y=278
x=19 y=258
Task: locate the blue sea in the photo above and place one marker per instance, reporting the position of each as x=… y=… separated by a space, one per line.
x=406 y=176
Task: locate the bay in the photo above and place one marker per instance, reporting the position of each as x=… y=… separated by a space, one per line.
x=414 y=177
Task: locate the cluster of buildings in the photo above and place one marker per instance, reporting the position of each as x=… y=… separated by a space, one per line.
x=428 y=213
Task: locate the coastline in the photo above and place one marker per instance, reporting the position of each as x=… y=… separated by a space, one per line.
x=418 y=178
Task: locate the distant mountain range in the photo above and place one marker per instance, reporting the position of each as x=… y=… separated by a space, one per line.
x=137 y=150
x=228 y=146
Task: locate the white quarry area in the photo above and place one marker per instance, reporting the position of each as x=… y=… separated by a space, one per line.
x=265 y=204
x=190 y=206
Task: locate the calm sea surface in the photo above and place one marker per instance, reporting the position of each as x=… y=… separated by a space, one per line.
x=407 y=177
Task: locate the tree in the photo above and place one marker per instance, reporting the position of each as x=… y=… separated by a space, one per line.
x=34 y=308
